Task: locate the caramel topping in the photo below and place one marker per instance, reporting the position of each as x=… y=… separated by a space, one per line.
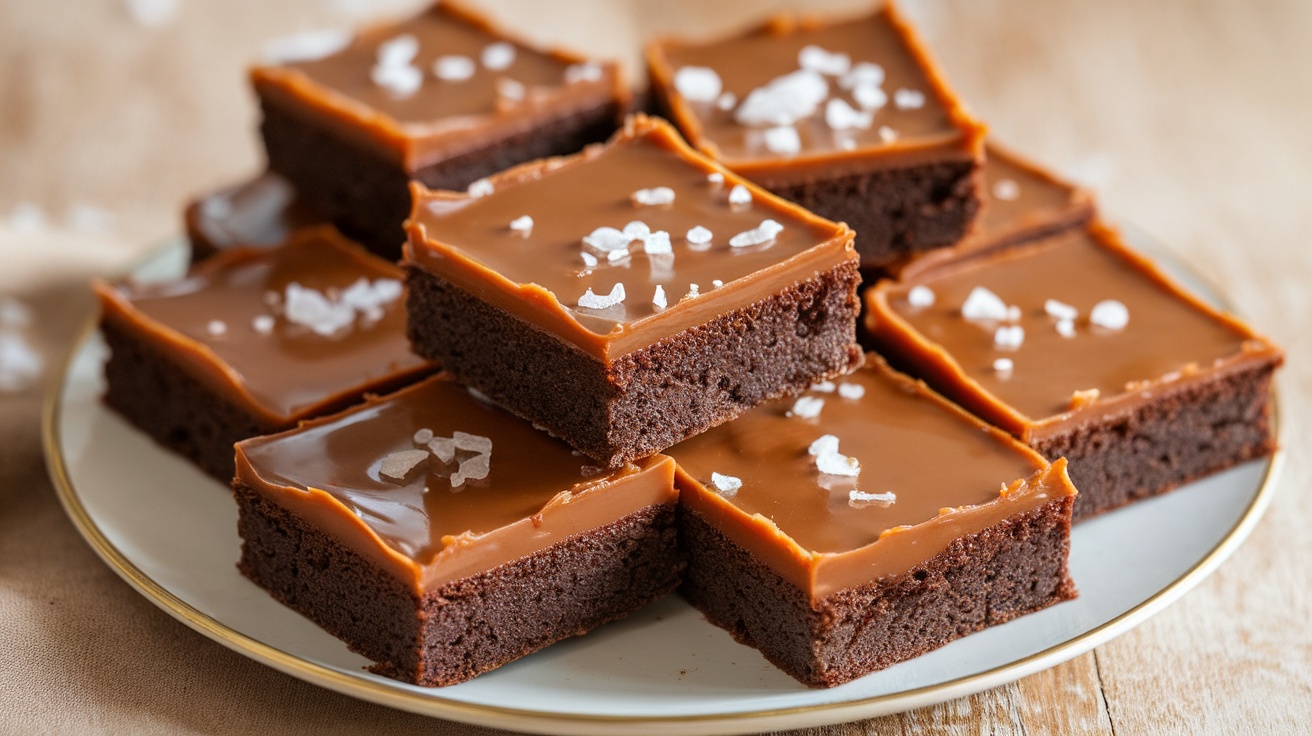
x=441 y=83
x=612 y=255
x=1017 y=194
x=1098 y=322
x=229 y=320
x=348 y=475
x=262 y=212
x=916 y=459
x=865 y=84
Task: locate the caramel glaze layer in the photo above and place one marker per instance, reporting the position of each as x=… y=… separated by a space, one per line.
x=945 y=467
x=1044 y=205
x=940 y=130
x=290 y=373
x=261 y=212
x=1172 y=337
x=443 y=118
x=540 y=276
x=419 y=528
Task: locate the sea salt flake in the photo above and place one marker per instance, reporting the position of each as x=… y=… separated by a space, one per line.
x=398 y=51
x=657 y=243
x=862 y=73
x=861 y=499
x=693 y=291
x=1066 y=328
x=365 y=296
x=784 y=100
x=852 y=391
x=716 y=283
x=783 y=140
x=1060 y=310
x=822 y=61
x=522 y=224
x=869 y=97
x=920 y=297
x=398 y=465
x=841 y=116
x=217 y=327
x=510 y=89
x=830 y=461
x=1109 y=314
x=715 y=177
x=739 y=195
x=824 y=444
x=807 y=407
x=982 y=304
x=653 y=197
x=824 y=387
x=726 y=101
x=1009 y=337
x=699 y=235
x=606 y=239
x=759 y=235
x=312 y=308
x=20 y=364
x=636 y=230
x=454 y=68
x=616 y=256
x=498 y=56
x=401 y=81
x=1003 y=365
x=263 y=324
x=727 y=485
x=472 y=442
x=1006 y=190
x=658 y=299
x=589 y=71
x=474 y=468
x=698 y=84
x=590 y=300
x=908 y=99
x=480 y=188
x=443 y=448
x=309 y=45
x=589 y=260
x=847 y=144
x=887 y=134
x=1013 y=313
x=423 y=436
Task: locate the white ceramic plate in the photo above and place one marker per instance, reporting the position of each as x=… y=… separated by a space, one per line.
x=171 y=532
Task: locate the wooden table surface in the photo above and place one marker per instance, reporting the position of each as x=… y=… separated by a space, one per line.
x=1190 y=118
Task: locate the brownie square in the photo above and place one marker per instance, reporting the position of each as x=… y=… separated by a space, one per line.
x=441 y=537
x=850 y=118
x=444 y=97
x=262 y=212
x=1083 y=349
x=1022 y=202
x=253 y=341
x=865 y=523
x=630 y=296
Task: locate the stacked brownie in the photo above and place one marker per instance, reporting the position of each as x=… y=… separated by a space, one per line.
x=595 y=305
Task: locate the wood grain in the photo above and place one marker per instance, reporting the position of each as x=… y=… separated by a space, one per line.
x=1190 y=118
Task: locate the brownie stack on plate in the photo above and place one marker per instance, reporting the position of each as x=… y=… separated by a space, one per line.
x=651 y=375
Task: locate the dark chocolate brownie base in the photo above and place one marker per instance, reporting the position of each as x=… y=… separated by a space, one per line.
x=180 y=412
x=1178 y=437
x=1012 y=568
x=468 y=626
x=367 y=195
x=895 y=212
x=652 y=398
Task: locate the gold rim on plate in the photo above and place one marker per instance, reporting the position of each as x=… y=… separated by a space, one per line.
x=434 y=704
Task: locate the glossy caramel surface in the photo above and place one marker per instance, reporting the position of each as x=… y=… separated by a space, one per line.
x=207 y=321
x=261 y=212
x=541 y=274
x=536 y=492
x=1169 y=336
x=908 y=442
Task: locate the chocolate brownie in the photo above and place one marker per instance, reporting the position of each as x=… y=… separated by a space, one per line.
x=861 y=524
x=260 y=213
x=849 y=118
x=441 y=537
x=253 y=341
x=630 y=296
x=1083 y=349
x=445 y=98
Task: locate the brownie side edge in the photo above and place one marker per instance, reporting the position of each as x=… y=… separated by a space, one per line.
x=1014 y=567
x=471 y=625
x=648 y=400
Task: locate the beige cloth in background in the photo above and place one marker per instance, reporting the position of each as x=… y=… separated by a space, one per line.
x=1192 y=119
